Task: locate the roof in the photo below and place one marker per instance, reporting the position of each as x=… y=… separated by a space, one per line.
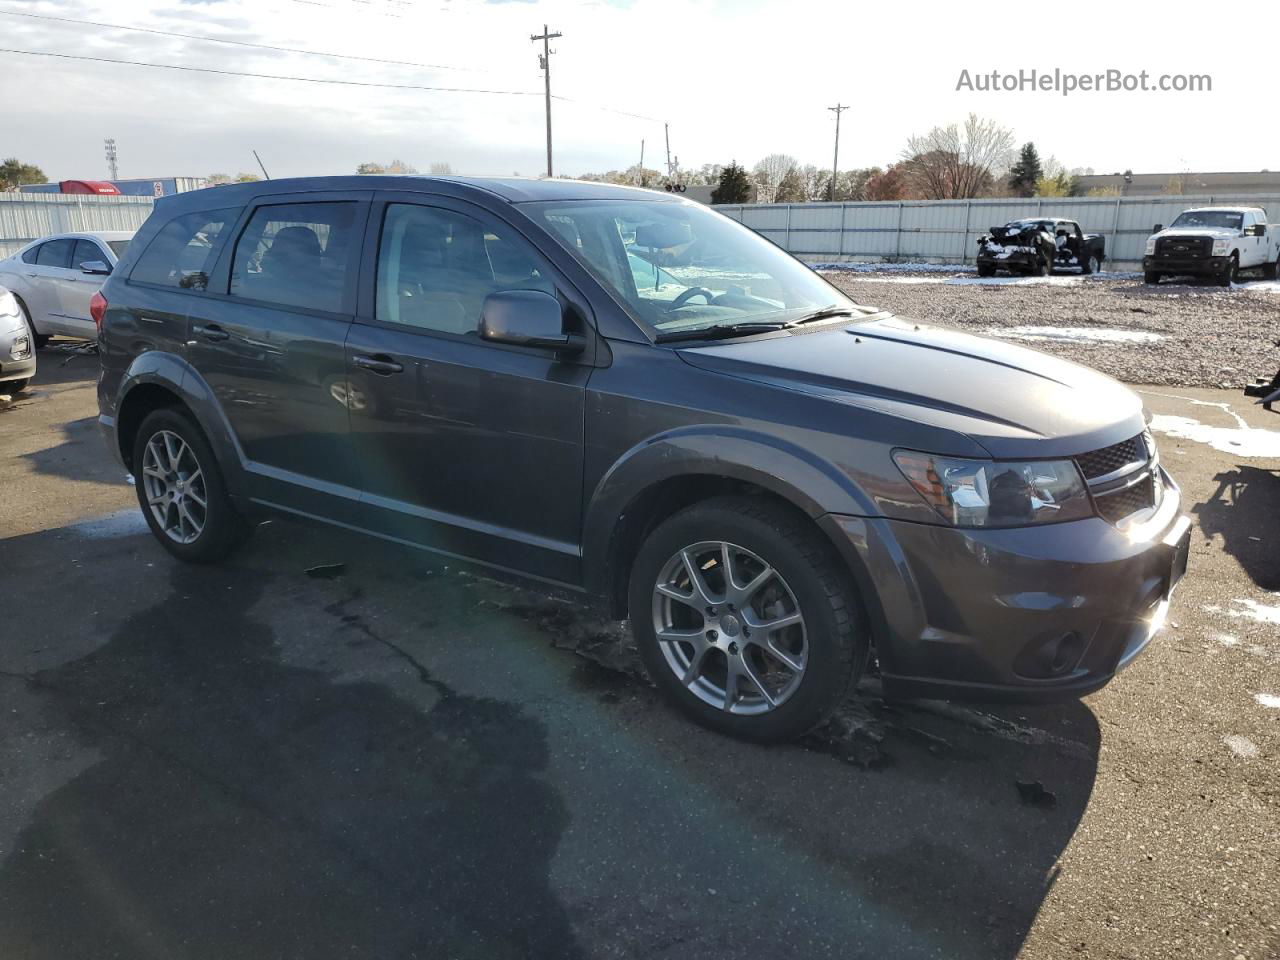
x=510 y=189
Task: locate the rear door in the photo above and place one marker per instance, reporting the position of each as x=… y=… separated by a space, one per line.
x=76 y=288
x=470 y=447
x=270 y=346
x=44 y=284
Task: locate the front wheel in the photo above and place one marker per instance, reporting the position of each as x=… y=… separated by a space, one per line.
x=1091 y=264
x=181 y=492
x=1152 y=277
x=1229 y=273
x=15 y=386
x=746 y=619
x=38 y=340
x=1271 y=271
x=986 y=270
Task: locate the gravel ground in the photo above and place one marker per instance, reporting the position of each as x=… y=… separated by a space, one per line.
x=1178 y=334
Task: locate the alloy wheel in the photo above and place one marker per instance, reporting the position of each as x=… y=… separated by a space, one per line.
x=173 y=481
x=730 y=628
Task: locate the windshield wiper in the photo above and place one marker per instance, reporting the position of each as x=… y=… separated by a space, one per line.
x=719 y=331
x=825 y=313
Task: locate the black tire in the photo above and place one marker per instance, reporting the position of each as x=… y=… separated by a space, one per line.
x=223 y=529
x=1229 y=274
x=986 y=270
x=38 y=340
x=835 y=637
x=1152 y=277
x=1271 y=271
x=1043 y=267
x=14 y=386
x=1091 y=264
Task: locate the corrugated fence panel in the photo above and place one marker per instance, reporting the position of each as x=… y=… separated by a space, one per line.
x=947 y=230
x=29 y=216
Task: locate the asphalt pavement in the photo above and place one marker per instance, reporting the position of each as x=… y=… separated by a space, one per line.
x=392 y=757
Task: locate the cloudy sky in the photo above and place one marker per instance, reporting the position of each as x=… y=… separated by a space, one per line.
x=735 y=80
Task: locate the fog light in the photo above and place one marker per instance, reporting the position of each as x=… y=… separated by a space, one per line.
x=1054 y=656
x=20 y=349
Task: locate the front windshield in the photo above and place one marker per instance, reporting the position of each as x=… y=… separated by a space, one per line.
x=1222 y=219
x=681 y=267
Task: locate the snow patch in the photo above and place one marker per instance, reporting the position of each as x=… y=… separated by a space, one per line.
x=1241 y=441
x=894 y=280
x=1259 y=286
x=860 y=267
x=1017 y=281
x=1268 y=700
x=122 y=523
x=1253 y=610
x=1241 y=746
x=1076 y=334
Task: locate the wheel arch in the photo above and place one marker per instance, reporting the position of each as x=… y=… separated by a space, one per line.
x=661 y=477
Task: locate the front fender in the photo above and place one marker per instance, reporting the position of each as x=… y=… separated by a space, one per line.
x=770 y=462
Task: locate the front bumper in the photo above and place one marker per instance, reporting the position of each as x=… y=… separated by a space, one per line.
x=1032 y=614
x=1014 y=261
x=1205 y=266
x=18 y=369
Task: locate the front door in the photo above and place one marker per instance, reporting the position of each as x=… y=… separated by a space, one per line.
x=469 y=447
x=271 y=346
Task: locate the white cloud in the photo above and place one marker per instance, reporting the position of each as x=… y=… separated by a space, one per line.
x=735 y=80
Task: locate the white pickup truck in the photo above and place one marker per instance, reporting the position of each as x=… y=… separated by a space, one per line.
x=1214 y=241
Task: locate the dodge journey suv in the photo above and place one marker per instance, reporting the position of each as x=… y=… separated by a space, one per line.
x=626 y=396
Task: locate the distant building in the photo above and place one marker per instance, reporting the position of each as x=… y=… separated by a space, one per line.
x=1262 y=182
x=158 y=187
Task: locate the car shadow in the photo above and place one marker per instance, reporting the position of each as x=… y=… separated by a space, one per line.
x=1242 y=511
x=244 y=804
x=82 y=455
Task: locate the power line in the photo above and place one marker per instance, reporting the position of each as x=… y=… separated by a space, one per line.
x=236 y=43
x=268 y=76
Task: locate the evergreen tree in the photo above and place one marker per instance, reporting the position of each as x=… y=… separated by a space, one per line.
x=734 y=186
x=1024 y=174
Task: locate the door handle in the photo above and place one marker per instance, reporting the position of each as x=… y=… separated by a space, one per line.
x=379 y=363
x=211 y=332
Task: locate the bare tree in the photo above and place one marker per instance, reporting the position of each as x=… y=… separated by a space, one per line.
x=954 y=162
x=769 y=173
x=441 y=170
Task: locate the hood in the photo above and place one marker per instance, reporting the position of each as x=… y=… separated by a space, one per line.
x=1013 y=401
x=1214 y=232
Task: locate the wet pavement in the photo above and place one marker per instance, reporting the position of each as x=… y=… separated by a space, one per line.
x=393 y=757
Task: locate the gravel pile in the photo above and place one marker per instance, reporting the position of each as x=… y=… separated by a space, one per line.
x=1174 y=334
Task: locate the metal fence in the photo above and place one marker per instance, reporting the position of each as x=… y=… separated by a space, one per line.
x=945 y=231
x=29 y=216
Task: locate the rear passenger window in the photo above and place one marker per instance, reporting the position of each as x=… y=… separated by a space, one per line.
x=55 y=253
x=297 y=255
x=183 y=252
x=435 y=267
x=32 y=253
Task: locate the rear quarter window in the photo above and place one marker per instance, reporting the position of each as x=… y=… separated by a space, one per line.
x=184 y=251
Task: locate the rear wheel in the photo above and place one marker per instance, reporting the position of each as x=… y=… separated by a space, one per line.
x=746 y=618
x=181 y=492
x=1151 y=276
x=1091 y=264
x=986 y=270
x=38 y=340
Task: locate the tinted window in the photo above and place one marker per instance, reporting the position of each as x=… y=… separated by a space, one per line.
x=85 y=251
x=435 y=267
x=183 y=252
x=30 y=255
x=296 y=255
x=55 y=253
x=118 y=247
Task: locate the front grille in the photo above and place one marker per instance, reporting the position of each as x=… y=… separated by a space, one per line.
x=1184 y=248
x=1099 y=463
x=1114 y=507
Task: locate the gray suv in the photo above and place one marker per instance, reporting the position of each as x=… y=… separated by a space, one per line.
x=627 y=397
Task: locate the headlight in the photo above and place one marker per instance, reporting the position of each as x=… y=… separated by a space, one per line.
x=1220 y=247
x=8 y=305
x=989 y=493
x=1151 y=246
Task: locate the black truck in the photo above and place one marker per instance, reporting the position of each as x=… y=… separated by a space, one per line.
x=1039 y=246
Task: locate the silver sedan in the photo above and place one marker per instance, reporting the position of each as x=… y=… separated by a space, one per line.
x=17 y=351
x=54 y=278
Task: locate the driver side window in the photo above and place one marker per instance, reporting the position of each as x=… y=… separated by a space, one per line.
x=436 y=266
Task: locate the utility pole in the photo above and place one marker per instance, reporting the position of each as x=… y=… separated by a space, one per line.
x=544 y=61
x=838 y=109
x=110 y=145
x=640 y=171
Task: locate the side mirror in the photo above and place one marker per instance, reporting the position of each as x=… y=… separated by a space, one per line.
x=527 y=318
x=1157 y=228
x=96 y=267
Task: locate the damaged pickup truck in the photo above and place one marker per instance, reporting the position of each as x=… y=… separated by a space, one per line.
x=1037 y=247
